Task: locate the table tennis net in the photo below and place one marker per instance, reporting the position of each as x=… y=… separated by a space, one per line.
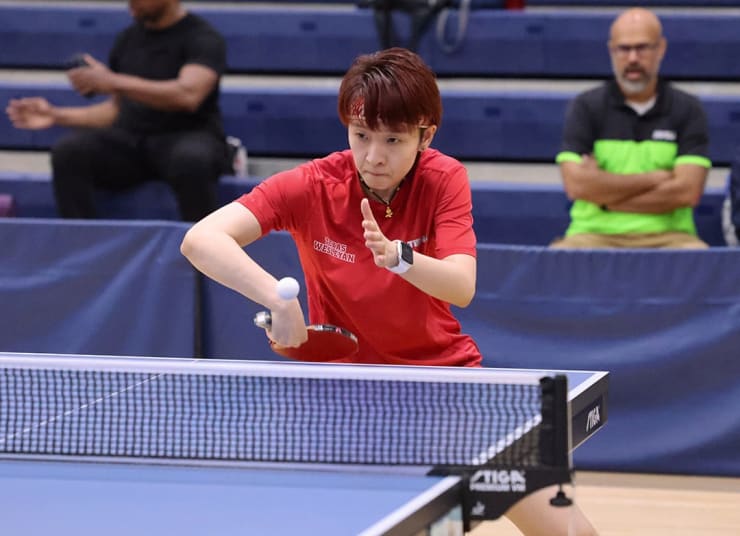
x=192 y=415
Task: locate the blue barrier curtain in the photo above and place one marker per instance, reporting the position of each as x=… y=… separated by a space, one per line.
x=665 y=324
x=118 y=288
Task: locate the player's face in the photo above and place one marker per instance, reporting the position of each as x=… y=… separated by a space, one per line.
x=384 y=157
x=636 y=52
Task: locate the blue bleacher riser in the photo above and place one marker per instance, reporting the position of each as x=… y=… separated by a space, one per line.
x=286 y=122
x=503 y=213
x=573 y=44
x=312 y=40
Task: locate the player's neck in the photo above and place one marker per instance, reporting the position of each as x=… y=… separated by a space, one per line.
x=384 y=196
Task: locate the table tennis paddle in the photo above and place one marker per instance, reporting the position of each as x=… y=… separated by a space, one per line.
x=326 y=342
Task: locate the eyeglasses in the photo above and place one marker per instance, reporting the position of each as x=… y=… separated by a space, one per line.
x=640 y=49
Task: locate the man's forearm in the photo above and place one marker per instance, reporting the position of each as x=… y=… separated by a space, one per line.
x=665 y=197
x=590 y=183
x=94 y=116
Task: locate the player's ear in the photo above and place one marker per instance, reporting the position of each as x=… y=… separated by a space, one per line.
x=427 y=136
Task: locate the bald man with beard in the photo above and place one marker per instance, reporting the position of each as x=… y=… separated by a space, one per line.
x=634 y=156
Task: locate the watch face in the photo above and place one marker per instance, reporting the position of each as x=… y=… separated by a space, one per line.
x=407 y=254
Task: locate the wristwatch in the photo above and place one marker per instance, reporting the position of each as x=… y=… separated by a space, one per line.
x=405 y=258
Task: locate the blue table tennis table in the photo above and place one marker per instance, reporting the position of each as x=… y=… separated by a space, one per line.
x=78 y=496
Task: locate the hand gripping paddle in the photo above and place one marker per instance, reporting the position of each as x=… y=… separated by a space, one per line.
x=325 y=341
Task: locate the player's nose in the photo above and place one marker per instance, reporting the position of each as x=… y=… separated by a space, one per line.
x=375 y=154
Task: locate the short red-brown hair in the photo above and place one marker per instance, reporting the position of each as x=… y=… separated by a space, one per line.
x=393 y=87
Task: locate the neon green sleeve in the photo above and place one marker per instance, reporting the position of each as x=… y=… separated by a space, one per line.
x=568 y=156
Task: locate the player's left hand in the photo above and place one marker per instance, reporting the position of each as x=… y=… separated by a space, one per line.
x=384 y=250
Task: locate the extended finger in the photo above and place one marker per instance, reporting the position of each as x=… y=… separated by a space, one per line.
x=367 y=213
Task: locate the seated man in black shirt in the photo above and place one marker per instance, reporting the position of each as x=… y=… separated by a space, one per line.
x=160 y=122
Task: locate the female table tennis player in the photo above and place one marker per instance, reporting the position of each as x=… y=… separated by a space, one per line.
x=384 y=232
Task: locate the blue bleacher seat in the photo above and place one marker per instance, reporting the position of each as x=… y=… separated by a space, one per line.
x=310 y=39
x=33 y=197
x=294 y=121
x=503 y=213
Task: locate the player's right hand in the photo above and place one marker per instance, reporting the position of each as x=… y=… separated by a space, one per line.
x=288 y=327
x=33 y=113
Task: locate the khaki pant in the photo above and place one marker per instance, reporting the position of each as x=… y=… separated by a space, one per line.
x=668 y=240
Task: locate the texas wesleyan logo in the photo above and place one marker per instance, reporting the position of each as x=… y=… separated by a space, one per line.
x=503 y=481
x=339 y=251
x=335 y=249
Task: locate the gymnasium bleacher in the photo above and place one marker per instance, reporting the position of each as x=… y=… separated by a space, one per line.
x=484 y=123
x=653 y=319
x=279 y=53
x=312 y=40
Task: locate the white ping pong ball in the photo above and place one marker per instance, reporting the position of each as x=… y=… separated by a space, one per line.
x=287 y=288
